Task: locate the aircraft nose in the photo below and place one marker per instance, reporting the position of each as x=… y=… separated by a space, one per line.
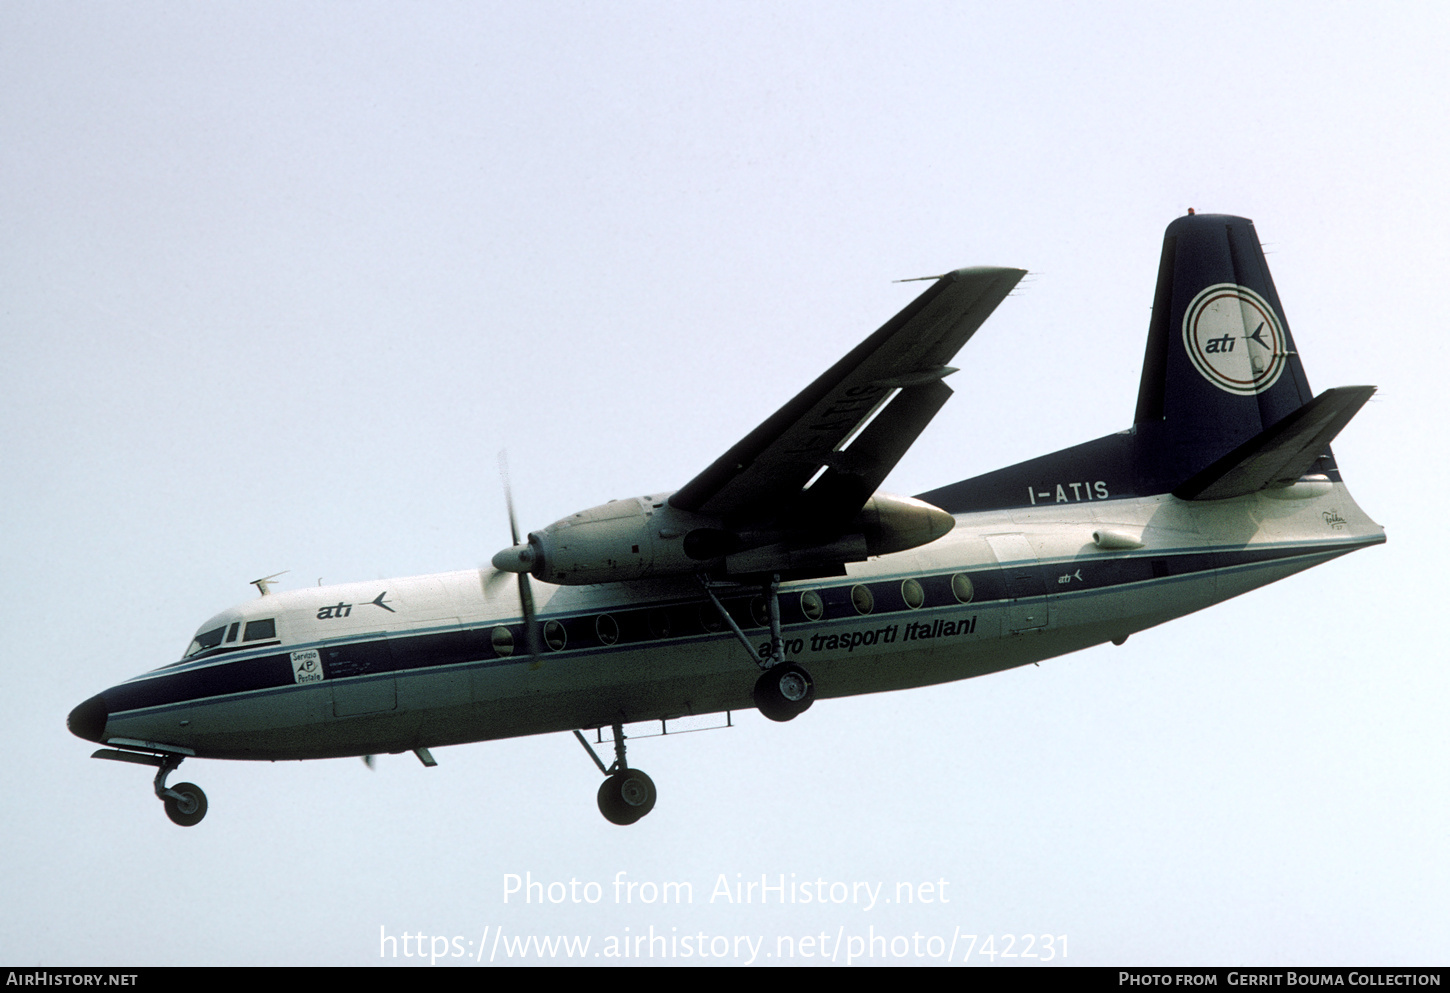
x=88 y=721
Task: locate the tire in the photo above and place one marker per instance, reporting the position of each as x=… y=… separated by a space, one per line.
x=190 y=809
x=626 y=796
x=784 y=692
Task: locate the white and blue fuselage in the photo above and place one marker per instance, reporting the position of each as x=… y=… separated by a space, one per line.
x=395 y=665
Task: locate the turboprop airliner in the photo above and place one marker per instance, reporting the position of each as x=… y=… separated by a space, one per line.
x=782 y=574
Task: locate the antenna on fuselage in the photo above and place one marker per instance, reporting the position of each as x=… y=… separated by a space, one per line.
x=265 y=584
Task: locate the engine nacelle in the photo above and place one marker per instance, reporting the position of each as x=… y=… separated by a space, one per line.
x=620 y=540
x=645 y=537
x=893 y=523
x=886 y=524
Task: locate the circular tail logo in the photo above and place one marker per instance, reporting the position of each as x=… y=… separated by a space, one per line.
x=1234 y=339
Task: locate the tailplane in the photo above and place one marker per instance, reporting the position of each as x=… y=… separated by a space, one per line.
x=1224 y=407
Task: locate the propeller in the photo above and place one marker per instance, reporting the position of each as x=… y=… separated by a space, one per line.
x=519 y=558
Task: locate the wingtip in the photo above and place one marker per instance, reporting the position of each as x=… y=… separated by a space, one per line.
x=985 y=270
x=970 y=272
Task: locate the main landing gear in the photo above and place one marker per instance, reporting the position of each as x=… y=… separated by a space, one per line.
x=626 y=794
x=785 y=690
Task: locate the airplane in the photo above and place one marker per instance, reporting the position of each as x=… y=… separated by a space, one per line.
x=781 y=574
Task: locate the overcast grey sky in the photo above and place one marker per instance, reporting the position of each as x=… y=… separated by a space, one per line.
x=280 y=280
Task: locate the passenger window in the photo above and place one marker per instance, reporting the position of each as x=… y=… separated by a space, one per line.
x=913 y=594
x=812 y=605
x=607 y=628
x=260 y=630
x=502 y=640
x=862 y=599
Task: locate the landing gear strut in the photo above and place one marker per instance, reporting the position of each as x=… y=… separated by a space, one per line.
x=626 y=794
x=785 y=690
x=185 y=803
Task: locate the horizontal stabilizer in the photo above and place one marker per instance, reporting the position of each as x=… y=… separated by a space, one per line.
x=1280 y=454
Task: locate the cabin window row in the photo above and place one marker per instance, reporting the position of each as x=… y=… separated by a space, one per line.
x=703 y=618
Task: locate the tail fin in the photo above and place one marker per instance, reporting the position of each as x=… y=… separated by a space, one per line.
x=1220 y=373
x=1221 y=366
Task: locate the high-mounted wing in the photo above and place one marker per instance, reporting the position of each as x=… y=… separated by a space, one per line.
x=798 y=494
x=894 y=374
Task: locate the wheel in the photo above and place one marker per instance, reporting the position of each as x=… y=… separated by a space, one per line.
x=784 y=692
x=188 y=810
x=626 y=796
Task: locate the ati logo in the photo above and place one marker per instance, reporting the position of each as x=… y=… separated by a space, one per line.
x=345 y=609
x=1234 y=339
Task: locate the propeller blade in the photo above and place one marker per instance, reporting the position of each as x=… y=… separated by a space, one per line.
x=518 y=559
x=508 y=494
x=489 y=579
x=531 y=622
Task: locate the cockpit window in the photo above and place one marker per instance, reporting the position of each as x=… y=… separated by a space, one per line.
x=232 y=632
x=259 y=630
x=205 y=640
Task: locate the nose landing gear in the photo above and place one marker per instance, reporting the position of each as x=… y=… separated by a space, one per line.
x=185 y=803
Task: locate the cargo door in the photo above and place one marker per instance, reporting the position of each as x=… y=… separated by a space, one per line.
x=362 y=677
x=1027 y=607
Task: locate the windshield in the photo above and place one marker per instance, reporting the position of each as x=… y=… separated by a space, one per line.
x=205 y=640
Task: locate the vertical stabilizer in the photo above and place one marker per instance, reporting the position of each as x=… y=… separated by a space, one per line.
x=1221 y=366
